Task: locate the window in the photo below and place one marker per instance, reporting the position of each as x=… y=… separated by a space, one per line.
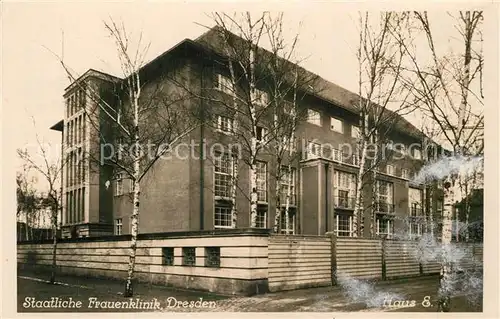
x=288 y=226
x=314 y=117
x=287 y=184
x=336 y=125
x=343 y=225
x=344 y=189
x=384 y=196
x=385 y=226
x=224 y=84
x=225 y=124
x=389 y=169
x=405 y=173
x=212 y=257
x=119 y=184
x=417 y=154
x=223 y=171
x=222 y=216
x=439 y=207
x=188 y=256
x=261 y=218
x=313 y=150
x=84 y=127
x=415 y=230
x=131 y=186
x=261 y=169
x=260 y=97
x=415 y=201
x=118 y=226
x=355 y=132
x=261 y=134
x=167 y=256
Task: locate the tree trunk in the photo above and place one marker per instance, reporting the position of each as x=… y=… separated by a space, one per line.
x=134 y=93
x=288 y=198
x=431 y=212
x=359 y=189
x=253 y=139
x=467 y=205
x=291 y=147
x=26 y=228
x=445 y=288
x=234 y=159
x=234 y=185
x=253 y=195
x=374 y=204
x=133 y=243
x=277 y=216
x=54 y=246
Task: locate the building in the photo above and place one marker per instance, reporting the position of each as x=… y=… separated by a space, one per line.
x=190 y=193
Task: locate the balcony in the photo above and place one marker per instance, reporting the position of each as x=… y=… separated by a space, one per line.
x=315 y=151
x=344 y=202
x=384 y=208
x=350 y=160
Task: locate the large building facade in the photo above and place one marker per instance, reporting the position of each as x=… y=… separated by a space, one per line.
x=191 y=192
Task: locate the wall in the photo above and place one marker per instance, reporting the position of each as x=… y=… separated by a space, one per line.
x=298 y=262
x=251 y=260
x=243 y=259
x=400 y=258
x=360 y=258
x=378 y=259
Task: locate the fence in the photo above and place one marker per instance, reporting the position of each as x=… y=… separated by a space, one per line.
x=243 y=261
x=298 y=261
x=360 y=258
x=389 y=259
x=228 y=262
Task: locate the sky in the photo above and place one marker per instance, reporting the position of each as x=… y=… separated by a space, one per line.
x=33 y=34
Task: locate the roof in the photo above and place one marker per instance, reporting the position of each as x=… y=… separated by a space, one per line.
x=93 y=73
x=59 y=126
x=328 y=91
x=209 y=43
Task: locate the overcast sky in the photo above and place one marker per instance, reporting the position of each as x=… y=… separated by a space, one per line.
x=34 y=81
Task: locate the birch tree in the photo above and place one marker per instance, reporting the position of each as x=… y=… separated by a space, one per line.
x=383 y=100
x=262 y=87
x=242 y=61
x=450 y=88
x=287 y=84
x=136 y=112
x=146 y=116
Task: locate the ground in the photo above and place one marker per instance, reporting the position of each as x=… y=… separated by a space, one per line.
x=326 y=299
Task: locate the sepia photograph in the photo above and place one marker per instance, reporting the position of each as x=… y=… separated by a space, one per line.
x=173 y=157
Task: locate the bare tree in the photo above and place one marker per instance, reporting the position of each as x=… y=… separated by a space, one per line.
x=287 y=84
x=450 y=89
x=145 y=117
x=246 y=96
x=254 y=95
x=383 y=101
x=27 y=199
x=51 y=170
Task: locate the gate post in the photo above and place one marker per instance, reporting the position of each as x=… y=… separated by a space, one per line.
x=333 y=256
